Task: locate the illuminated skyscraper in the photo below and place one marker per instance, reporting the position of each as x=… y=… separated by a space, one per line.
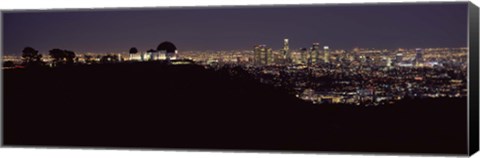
x=269 y=57
x=304 y=57
x=263 y=55
x=418 y=56
x=277 y=57
x=257 y=55
x=286 y=51
x=285 y=44
x=326 y=54
x=389 y=62
x=314 y=54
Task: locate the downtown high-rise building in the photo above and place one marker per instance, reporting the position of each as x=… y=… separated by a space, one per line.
x=389 y=62
x=304 y=56
x=418 y=57
x=263 y=55
x=287 y=56
x=314 y=54
x=326 y=54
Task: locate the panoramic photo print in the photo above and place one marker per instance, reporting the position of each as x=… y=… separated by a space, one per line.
x=381 y=78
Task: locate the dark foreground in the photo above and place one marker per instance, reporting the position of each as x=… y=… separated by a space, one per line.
x=150 y=105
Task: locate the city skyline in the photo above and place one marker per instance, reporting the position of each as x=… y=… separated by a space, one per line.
x=239 y=28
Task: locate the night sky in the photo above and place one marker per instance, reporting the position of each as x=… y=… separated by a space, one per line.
x=222 y=28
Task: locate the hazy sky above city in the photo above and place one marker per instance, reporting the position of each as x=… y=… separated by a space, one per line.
x=338 y=26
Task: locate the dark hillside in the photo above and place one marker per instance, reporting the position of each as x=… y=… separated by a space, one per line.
x=152 y=105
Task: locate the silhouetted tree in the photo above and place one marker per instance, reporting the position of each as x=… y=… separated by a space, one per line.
x=61 y=57
x=133 y=50
x=69 y=57
x=31 y=57
x=58 y=56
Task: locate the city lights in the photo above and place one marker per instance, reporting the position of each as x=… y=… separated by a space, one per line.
x=360 y=76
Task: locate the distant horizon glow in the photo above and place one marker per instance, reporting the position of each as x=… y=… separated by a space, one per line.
x=239 y=28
